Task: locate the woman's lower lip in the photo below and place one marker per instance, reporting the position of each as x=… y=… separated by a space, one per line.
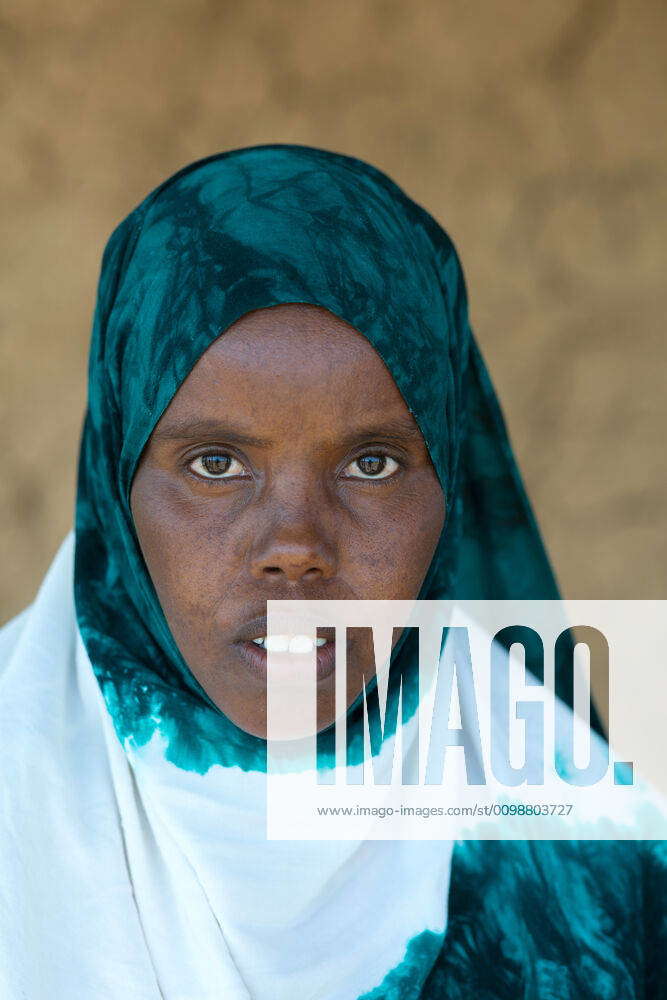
x=257 y=659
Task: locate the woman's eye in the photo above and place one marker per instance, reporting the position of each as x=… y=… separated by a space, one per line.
x=216 y=466
x=372 y=467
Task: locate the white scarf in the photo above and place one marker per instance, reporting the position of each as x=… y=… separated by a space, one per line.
x=123 y=877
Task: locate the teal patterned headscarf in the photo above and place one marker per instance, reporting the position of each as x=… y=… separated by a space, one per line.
x=240 y=231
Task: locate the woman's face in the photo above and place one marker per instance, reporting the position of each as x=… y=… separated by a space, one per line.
x=287 y=466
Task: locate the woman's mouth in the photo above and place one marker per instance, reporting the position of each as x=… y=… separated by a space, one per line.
x=289 y=653
x=288 y=643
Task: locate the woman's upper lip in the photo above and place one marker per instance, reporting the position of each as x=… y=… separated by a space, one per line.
x=295 y=624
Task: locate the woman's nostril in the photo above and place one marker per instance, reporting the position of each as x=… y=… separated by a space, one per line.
x=292 y=572
x=313 y=573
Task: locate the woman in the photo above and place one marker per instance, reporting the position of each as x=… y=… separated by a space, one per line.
x=285 y=401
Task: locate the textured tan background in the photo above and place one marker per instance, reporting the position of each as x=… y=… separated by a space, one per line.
x=535 y=132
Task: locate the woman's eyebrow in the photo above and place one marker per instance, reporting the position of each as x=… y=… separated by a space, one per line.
x=187 y=430
x=395 y=430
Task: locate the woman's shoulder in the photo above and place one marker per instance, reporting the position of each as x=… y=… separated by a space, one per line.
x=569 y=917
x=10 y=633
x=45 y=621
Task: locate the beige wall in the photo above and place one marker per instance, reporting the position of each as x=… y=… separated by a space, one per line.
x=533 y=131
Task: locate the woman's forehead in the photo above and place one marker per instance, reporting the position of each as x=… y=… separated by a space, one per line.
x=278 y=331
x=290 y=365
x=295 y=338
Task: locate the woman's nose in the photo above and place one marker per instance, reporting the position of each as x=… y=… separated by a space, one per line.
x=293 y=549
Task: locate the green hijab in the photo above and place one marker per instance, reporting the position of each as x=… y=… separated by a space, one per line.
x=244 y=230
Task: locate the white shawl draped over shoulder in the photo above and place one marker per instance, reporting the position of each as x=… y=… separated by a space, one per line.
x=123 y=877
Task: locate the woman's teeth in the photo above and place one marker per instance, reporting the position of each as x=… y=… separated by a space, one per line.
x=288 y=643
